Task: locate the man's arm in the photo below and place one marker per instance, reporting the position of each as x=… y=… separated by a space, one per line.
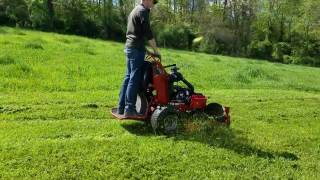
x=153 y=45
x=148 y=33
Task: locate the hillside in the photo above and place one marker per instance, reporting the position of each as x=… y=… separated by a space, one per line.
x=56 y=92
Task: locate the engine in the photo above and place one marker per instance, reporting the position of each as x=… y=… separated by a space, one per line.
x=178 y=93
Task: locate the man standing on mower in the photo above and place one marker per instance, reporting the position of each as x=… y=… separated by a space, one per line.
x=138 y=31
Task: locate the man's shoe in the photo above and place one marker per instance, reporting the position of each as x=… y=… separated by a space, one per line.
x=120 y=111
x=132 y=114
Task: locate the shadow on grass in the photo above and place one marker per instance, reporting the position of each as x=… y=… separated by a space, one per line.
x=215 y=136
x=138 y=128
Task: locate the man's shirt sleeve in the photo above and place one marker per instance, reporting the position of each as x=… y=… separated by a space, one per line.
x=146 y=28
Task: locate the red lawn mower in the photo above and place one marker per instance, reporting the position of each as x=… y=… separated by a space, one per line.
x=161 y=100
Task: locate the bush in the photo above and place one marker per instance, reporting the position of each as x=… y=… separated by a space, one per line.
x=306 y=60
x=211 y=46
x=291 y=59
x=306 y=52
x=208 y=44
x=311 y=61
x=91 y=28
x=4 y=19
x=279 y=50
x=260 y=49
x=59 y=25
x=287 y=59
x=176 y=36
x=215 y=41
x=14 y=12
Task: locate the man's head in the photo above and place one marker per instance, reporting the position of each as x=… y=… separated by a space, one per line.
x=149 y=3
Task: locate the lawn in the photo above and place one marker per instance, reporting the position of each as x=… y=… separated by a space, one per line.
x=56 y=92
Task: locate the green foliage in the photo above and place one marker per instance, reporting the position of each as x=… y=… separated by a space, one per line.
x=14 y=12
x=176 y=36
x=279 y=50
x=260 y=49
x=39 y=15
x=210 y=45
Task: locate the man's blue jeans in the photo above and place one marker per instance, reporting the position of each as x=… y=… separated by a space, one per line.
x=132 y=80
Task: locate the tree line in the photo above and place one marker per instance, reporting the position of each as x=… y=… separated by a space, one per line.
x=286 y=31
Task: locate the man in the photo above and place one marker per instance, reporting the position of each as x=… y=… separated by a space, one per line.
x=138 y=31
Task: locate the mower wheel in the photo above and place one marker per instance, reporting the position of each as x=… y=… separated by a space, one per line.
x=215 y=110
x=164 y=121
x=141 y=103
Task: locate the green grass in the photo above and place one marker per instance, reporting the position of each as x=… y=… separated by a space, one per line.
x=56 y=92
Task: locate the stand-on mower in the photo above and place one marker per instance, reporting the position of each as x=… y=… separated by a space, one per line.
x=161 y=100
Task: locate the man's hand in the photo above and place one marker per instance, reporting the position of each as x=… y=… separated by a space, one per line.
x=154 y=54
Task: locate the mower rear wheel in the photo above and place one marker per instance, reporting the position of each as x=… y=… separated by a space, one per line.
x=141 y=103
x=164 y=121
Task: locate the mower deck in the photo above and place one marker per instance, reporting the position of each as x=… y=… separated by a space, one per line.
x=121 y=117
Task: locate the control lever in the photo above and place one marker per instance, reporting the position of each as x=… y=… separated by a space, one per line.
x=170 y=66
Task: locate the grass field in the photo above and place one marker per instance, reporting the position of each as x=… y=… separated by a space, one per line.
x=56 y=92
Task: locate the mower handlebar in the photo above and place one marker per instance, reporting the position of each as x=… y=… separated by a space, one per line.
x=169 y=65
